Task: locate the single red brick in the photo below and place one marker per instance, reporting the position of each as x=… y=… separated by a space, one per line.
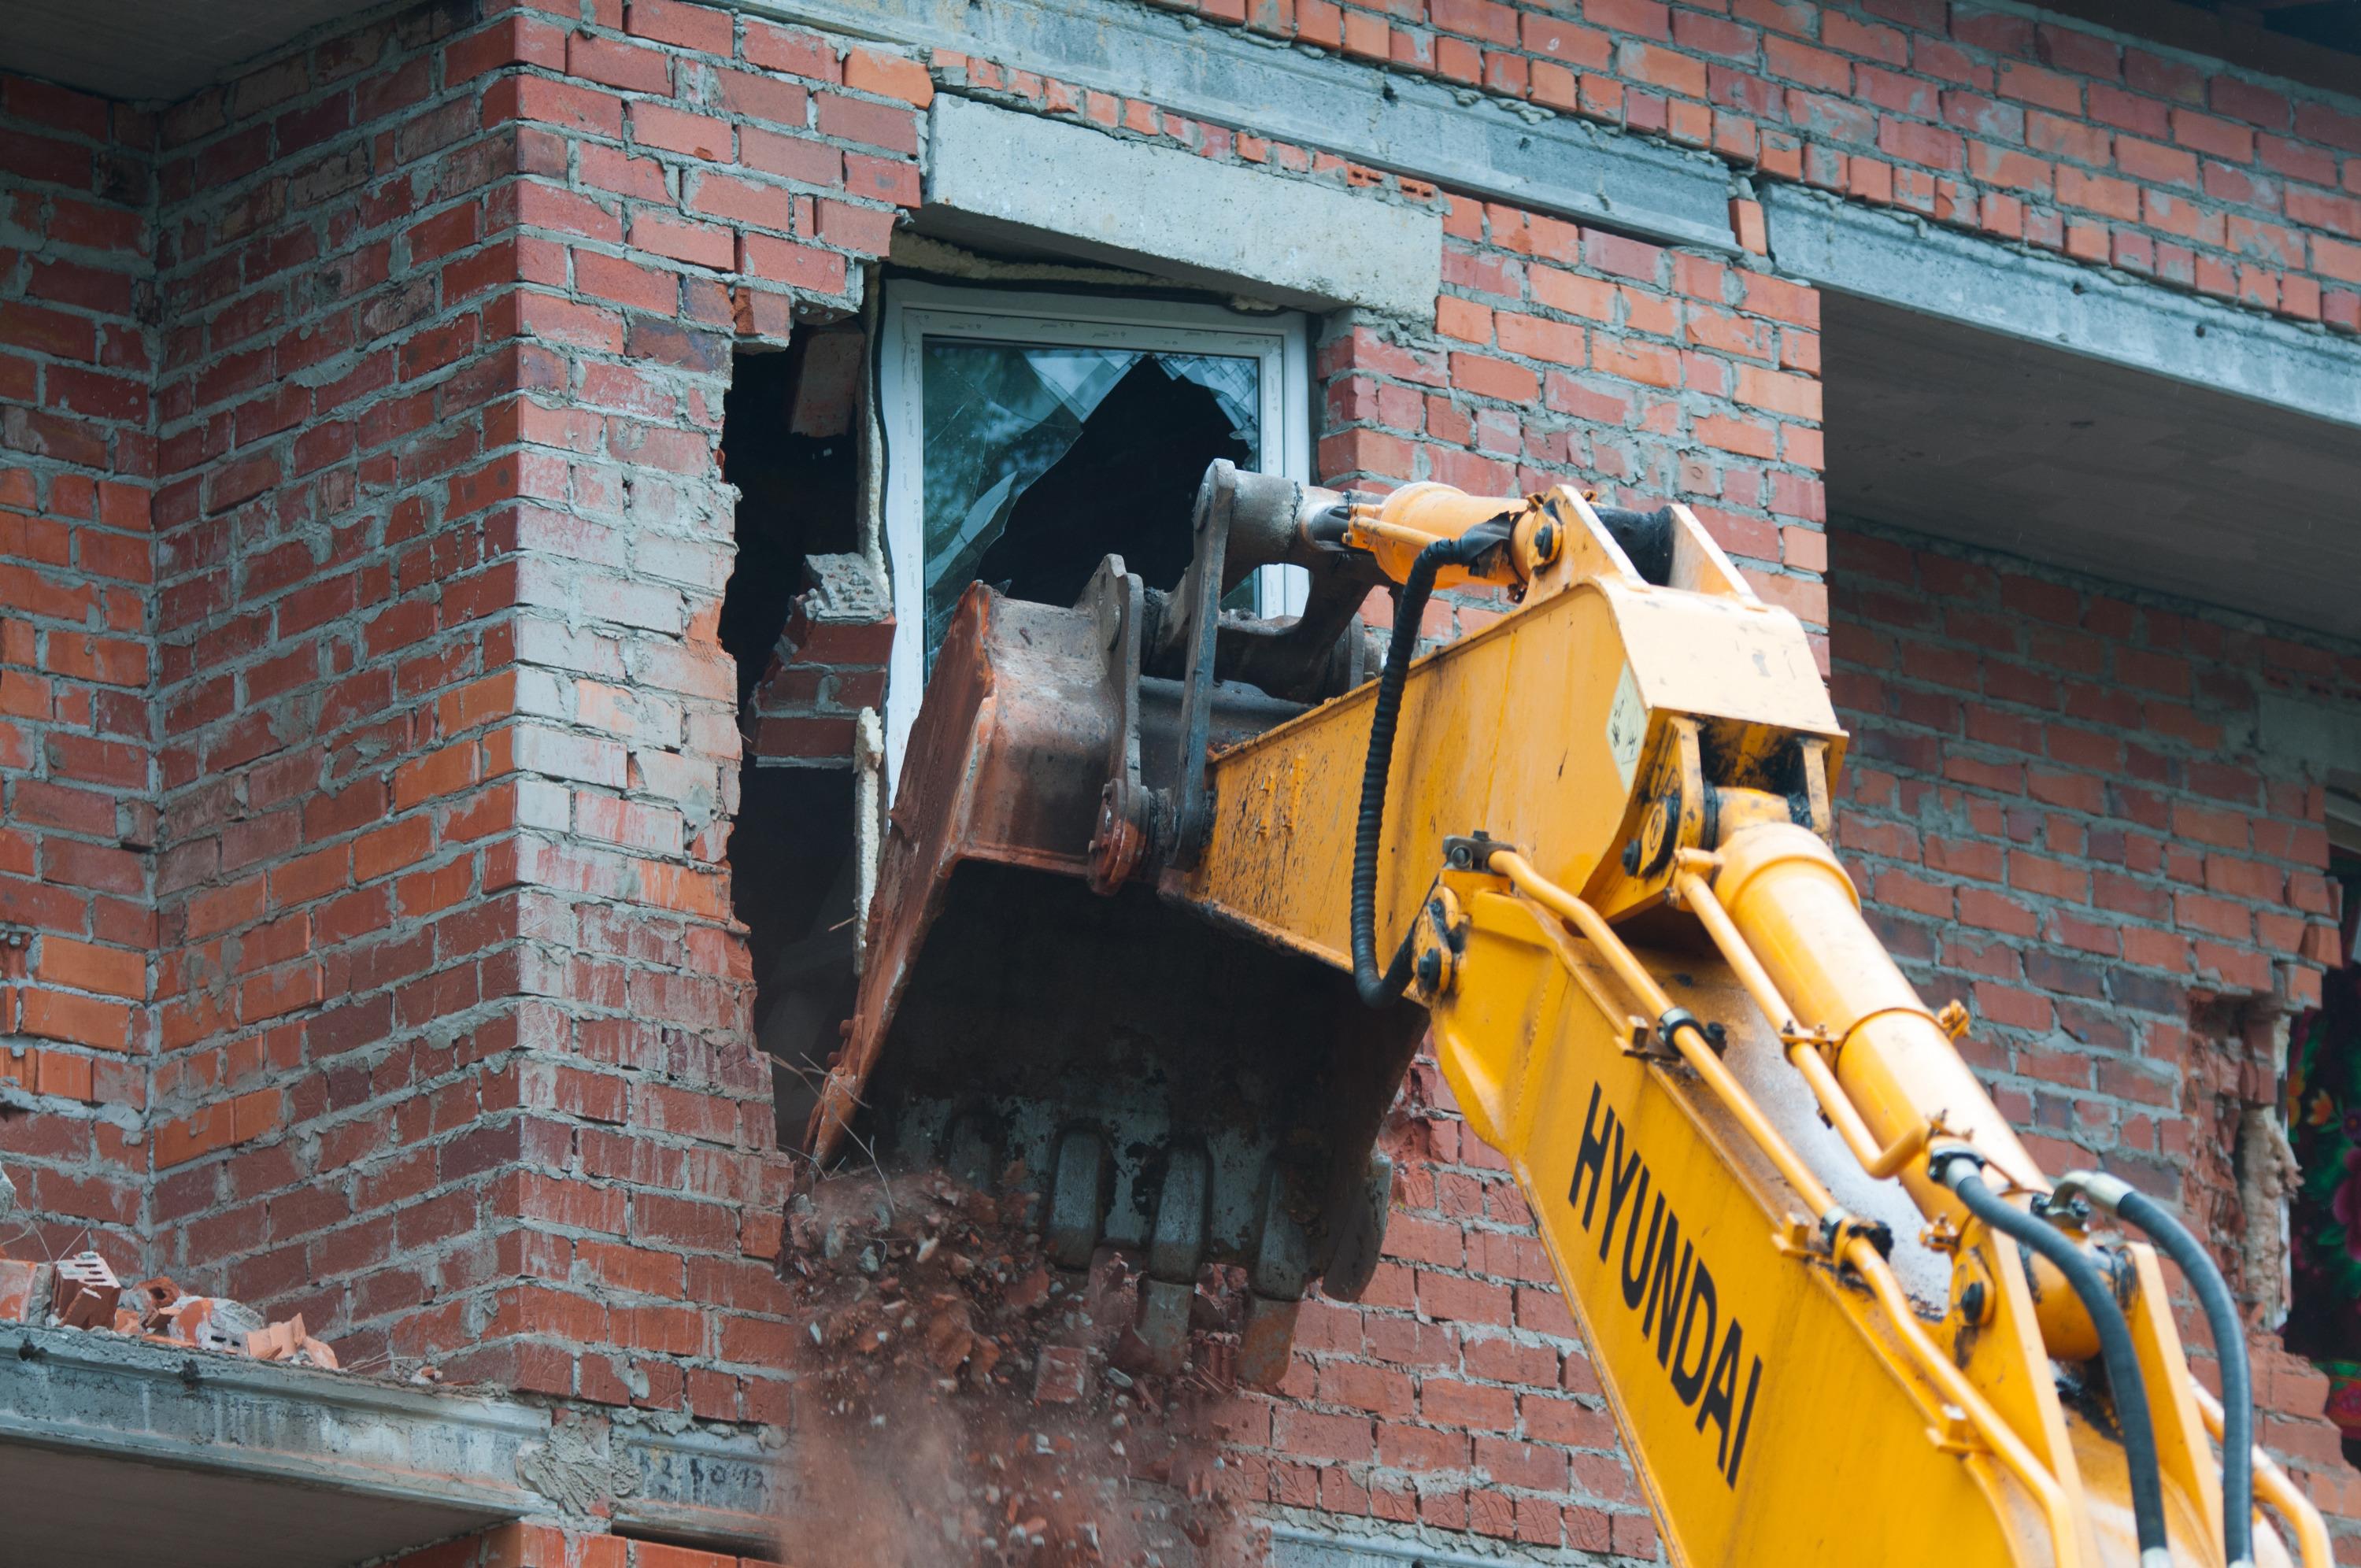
x=693 y=27
x=701 y=245
x=888 y=76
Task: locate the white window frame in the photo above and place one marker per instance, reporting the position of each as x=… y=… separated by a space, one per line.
x=915 y=312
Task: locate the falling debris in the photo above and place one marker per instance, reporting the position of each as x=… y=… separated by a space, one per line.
x=966 y=1402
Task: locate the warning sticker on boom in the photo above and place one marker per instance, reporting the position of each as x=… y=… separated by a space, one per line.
x=1627 y=726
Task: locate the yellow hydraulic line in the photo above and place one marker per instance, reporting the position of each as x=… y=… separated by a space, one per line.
x=1864 y=1259
x=1408 y=520
x=1699 y=894
x=1880 y=1163
x=1635 y=976
x=1873 y=1270
x=1373 y=527
x=2278 y=1489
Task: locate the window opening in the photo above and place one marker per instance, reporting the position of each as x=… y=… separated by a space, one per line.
x=1030 y=436
x=1029 y=450
x=2322 y=1104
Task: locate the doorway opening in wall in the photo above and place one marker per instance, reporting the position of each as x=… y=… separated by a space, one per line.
x=790 y=444
x=2323 y=1118
x=1028 y=436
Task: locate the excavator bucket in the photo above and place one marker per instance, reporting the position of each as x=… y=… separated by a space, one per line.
x=1116 y=955
x=1032 y=1008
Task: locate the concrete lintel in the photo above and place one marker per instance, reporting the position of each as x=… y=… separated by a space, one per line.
x=1295 y=1546
x=1458 y=138
x=2319 y=735
x=1071 y=188
x=722 y=1488
x=117 y=1454
x=216 y=1462
x=68 y=1389
x=1937 y=271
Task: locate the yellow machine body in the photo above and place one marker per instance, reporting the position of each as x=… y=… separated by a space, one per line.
x=1608 y=809
x=1780 y=1408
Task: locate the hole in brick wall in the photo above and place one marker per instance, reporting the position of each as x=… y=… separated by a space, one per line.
x=788 y=443
x=2232 y=1184
x=792 y=869
x=2322 y=1102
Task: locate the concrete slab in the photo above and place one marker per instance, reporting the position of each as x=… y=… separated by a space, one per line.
x=999 y=176
x=2036 y=297
x=152 y=49
x=117 y=1454
x=1505 y=150
x=104 y=1511
x=1962 y=433
x=2320 y=736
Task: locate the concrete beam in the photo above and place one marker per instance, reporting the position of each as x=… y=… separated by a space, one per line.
x=1937 y=271
x=208 y=1461
x=999 y=176
x=726 y=1488
x=1293 y=1546
x=71 y=1389
x=1506 y=152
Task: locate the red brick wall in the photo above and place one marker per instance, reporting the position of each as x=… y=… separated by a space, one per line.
x=451 y=1048
x=76 y=755
x=1457 y=1394
x=2053 y=799
x=2054 y=802
x=1569 y=354
x=427 y=724
x=2219 y=180
x=546 y=1546
x=447 y=1030
x=829 y=664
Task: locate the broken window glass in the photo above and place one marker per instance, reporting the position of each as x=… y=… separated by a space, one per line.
x=1040 y=460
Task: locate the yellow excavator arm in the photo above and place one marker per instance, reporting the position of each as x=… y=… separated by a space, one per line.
x=1840 y=1315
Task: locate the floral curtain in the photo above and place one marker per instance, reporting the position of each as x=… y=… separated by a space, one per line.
x=2324 y=1105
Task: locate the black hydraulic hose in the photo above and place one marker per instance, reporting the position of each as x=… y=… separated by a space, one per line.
x=1378 y=990
x=1960 y=1173
x=2125 y=1201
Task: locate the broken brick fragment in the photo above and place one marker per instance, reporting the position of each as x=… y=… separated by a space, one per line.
x=215 y=1322
x=156 y=1299
x=87 y=1292
x=278 y=1341
x=950 y=1336
x=956 y=1379
x=1062 y=1374
x=22 y=1285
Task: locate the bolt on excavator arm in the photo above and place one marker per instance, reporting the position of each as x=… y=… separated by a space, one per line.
x=1840 y=1315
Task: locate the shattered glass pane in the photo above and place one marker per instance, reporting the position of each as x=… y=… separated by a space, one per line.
x=996 y=417
x=1235 y=383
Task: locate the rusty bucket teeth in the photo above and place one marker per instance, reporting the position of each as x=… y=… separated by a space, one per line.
x=1167 y=1085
